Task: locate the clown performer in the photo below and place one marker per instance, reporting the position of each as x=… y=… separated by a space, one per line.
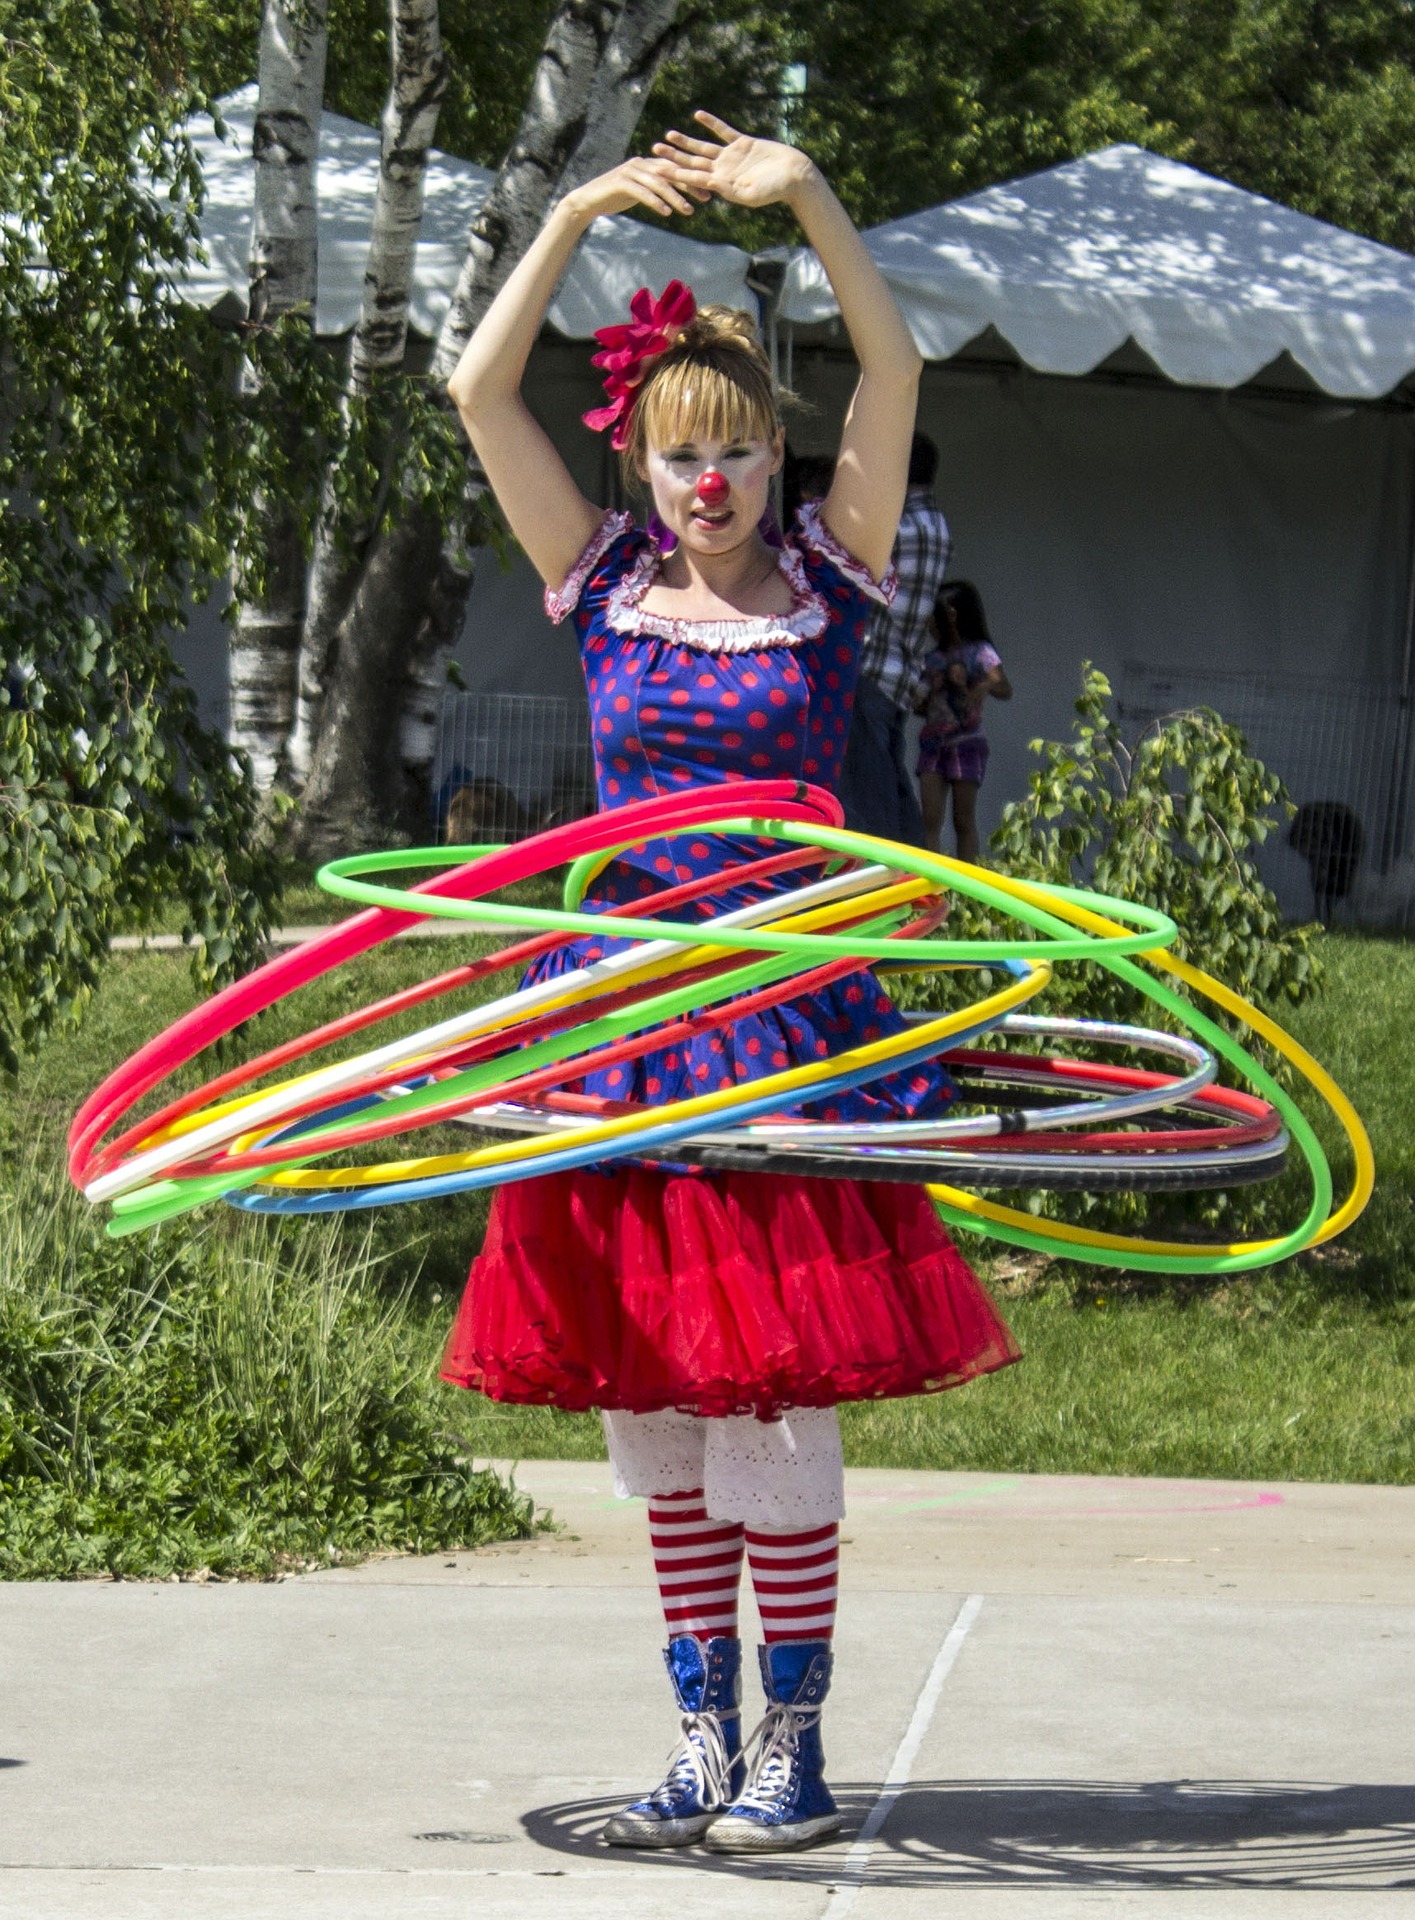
x=718 y=1319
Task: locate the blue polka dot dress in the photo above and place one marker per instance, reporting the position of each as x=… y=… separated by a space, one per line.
x=645 y=1288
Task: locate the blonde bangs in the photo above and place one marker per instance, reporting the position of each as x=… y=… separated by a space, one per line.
x=695 y=400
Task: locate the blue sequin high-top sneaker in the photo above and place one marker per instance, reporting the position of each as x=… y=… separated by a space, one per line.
x=705 y=1770
x=785 y=1802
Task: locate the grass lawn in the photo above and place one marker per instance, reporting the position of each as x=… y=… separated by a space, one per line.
x=1302 y=1372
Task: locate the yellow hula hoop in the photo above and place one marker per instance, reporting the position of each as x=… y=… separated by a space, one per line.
x=1292 y=1051
x=795 y=1079
x=877 y=901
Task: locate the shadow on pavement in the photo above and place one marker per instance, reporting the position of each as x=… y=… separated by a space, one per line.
x=1304 y=1835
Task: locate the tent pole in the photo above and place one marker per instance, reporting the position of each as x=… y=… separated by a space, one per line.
x=766 y=278
x=1397 y=812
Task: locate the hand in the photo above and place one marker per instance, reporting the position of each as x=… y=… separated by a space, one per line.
x=637 y=182
x=735 y=166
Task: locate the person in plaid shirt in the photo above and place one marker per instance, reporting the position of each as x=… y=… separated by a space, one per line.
x=876 y=787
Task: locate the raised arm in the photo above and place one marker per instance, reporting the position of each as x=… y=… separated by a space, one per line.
x=866 y=498
x=544 y=508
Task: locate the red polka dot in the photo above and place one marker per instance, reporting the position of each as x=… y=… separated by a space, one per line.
x=754 y=1045
x=778 y=1059
x=700 y=850
x=702 y=719
x=759 y=760
x=786 y=739
x=749 y=679
x=777 y=697
x=675 y=738
x=621 y=704
x=706 y=680
x=731 y=699
x=753 y=720
x=649 y=713
x=653 y=1085
x=731 y=739
x=611 y=786
x=663 y=864
x=678 y=697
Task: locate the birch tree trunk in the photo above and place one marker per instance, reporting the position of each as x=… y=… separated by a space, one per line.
x=416 y=87
x=373 y=757
x=284 y=260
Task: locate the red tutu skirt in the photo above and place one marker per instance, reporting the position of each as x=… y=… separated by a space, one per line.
x=718 y=1294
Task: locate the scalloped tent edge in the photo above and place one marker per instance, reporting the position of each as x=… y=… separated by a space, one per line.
x=1211 y=282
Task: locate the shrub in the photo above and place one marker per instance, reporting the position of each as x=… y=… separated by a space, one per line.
x=235 y=1402
x=1169 y=824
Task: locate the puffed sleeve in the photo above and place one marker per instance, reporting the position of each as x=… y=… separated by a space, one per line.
x=813 y=537
x=609 y=553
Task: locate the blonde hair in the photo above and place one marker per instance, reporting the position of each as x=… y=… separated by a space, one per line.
x=714 y=383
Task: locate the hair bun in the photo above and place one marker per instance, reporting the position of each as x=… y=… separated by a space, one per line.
x=721 y=327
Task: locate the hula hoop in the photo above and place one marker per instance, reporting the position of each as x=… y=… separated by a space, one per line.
x=1177 y=1256
x=256 y=1146
x=192 y=1134
x=152 y=1202
x=495 y=867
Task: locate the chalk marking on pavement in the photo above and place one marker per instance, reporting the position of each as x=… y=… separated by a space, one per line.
x=852 y=1877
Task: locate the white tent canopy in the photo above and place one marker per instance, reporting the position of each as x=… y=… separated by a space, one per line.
x=618 y=256
x=1212 y=282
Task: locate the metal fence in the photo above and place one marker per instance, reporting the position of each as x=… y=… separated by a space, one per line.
x=1346 y=755
x=510 y=764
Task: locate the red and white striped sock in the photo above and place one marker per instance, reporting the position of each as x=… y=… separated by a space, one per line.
x=699 y=1565
x=795 y=1576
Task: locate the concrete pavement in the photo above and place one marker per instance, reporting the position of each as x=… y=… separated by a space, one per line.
x=1055 y=1697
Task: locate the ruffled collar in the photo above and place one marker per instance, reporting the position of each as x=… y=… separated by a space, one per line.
x=807 y=620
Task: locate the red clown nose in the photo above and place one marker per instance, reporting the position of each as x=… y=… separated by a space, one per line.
x=712 y=488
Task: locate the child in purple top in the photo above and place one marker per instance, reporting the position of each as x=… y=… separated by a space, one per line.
x=953 y=750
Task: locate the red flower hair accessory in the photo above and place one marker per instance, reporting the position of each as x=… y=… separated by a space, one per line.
x=656 y=326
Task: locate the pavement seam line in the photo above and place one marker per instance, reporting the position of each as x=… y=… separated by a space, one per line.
x=857 y=1862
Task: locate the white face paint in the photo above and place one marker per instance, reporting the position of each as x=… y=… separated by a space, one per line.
x=674 y=473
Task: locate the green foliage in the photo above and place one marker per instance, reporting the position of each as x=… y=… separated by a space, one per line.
x=123 y=471
x=1170 y=824
x=236 y=1401
x=903 y=106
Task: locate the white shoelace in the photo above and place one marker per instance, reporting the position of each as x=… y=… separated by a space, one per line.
x=698 y=1766
x=772 y=1754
